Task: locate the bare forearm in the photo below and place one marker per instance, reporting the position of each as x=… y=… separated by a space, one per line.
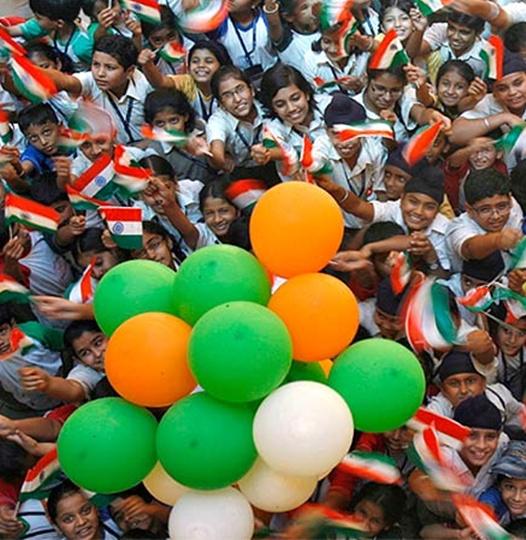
x=465 y=130
x=65 y=389
x=414 y=44
x=179 y=220
x=41 y=429
x=155 y=77
x=395 y=243
x=480 y=246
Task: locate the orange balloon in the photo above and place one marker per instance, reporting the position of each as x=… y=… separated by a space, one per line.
x=326 y=365
x=295 y=228
x=146 y=360
x=321 y=315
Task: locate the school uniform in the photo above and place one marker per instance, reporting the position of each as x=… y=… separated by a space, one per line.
x=436 y=232
x=86 y=376
x=511 y=371
x=293 y=46
x=127 y=111
x=463 y=228
x=516 y=12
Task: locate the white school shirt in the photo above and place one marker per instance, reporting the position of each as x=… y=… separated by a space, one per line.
x=86 y=376
x=516 y=12
x=404 y=123
x=363 y=179
x=238 y=136
x=294 y=46
x=463 y=228
x=436 y=232
x=127 y=111
x=436 y=37
x=249 y=45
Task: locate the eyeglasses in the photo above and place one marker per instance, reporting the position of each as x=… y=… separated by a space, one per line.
x=382 y=90
x=240 y=90
x=487 y=211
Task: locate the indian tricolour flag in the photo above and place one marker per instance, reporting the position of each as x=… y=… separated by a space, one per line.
x=132 y=179
x=124 y=224
x=371 y=466
x=96 y=182
x=492 y=53
x=69 y=140
x=478 y=299
x=207 y=16
x=8 y=44
x=170 y=136
x=288 y=164
x=173 y=52
x=514 y=302
x=390 y=53
x=11 y=290
x=373 y=128
x=428 y=7
x=449 y=432
x=40 y=479
x=146 y=10
x=514 y=142
x=312 y=163
x=401 y=272
x=30 y=213
x=82 y=202
x=420 y=143
x=335 y=12
x=245 y=193
x=83 y=290
x=19 y=343
x=519 y=255
x=5 y=127
x=30 y=81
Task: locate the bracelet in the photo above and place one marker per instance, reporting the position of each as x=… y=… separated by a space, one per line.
x=271 y=11
x=486 y=123
x=345 y=197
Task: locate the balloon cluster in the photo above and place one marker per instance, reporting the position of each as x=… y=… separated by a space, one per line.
x=243 y=372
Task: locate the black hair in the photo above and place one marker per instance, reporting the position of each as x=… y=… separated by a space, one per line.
x=458 y=66
x=66 y=10
x=473 y=23
x=36 y=115
x=119 y=47
x=64 y=489
x=6 y=313
x=153 y=227
x=158 y=165
x=391 y=500
x=138 y=533
x=396 y=72
x=517 y=528
x=518 y=186
x=14 y=461
x=280 y=76
x=76 y=329
x=515 y=37
x=485 y=183
x=382 y=231
x=89 y=240
x=168 y=22
x=217 y=49
x=215 y=189
x=53 y=54
x=158 y=100
x=403 y=5
x=224 y=72
x=45 y=190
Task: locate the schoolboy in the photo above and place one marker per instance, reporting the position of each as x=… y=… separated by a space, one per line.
x=492 y=220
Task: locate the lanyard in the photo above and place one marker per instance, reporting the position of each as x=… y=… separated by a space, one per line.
x=192 y=159
x=505 y=365
x=125 y=121
x=57 y=109
x=205 y=113
x=56 y=44
x=255 y=136
x=246 y=52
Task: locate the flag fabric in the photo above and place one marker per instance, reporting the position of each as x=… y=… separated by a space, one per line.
x=91 y=120
x=206 y=17
x=351 y=525
x=335 y=12
x=519 y=255
x=313 y=164
x=514 y=303
x=390 y=53
x=30 y=213
x=124 y=224
x=480 y=518
x=130 y=178
x=20 y=343
x=514 y=142
x=428 y=7
x=492 y=53
x=97 y=181
x=173 y=52
x=146 y=10
x=171 y=136
x=245 y=193
x=401 y=272
x=6 y=131
x=33 y=83
x=12 y=291
x=69 y=140
x=82 y=202
x=8 y=45
x=40 y=479
x=322 y=84
x=420 y=143
x=288 y=164
x=83 y=290
x=374 y=128
x=478 y=299
x=449 y=432
x=371 y=466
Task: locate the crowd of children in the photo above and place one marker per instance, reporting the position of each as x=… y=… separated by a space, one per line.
x=281 y=90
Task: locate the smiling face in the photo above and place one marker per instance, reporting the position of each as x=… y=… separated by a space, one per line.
x=479 y=447
x=485 y=154
x=461 y=38
x=203 y=65
x=102 y=262
x=236 y=97
x=348 y=150
x=292 y=105
x=451 y=88
x=395 y=18
x=384 y=91
x=331 y=45
x=513 y=492
x=491 y=213
x=304 y=17
x=77 y=518
x=510 y=91
x=155 y=248
x=219 y=214
x=512 y=340
x=418 y=211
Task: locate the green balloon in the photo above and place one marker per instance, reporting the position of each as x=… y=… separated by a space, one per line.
x=382 y=382
x=206 y=444
x=240 y=351
x=306 y=371
x=132 y=288
x=108 y=445
x=215 y=275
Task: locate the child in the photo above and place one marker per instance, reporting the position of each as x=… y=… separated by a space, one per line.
x=492 y=220
x=204 y=59
x=399 y=15
x=169 y=109
x=397 y=173
x=88 y=345
x=158 y=246
x=218 y=212
x=113 y=83
x=508 y=495
x=514 y=39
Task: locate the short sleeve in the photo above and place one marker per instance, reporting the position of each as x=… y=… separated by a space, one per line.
x=482 y=109
x=385 y=211
x=86 y=81
x=516 y=12
x=216 y=128
x=206 y=236
x=31 y=29
x=85 y=376
x=436 y=35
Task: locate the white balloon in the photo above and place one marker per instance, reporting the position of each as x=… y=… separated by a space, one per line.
x=303 y=428
x=163 y=487
x=275 y=491
x=211 y=515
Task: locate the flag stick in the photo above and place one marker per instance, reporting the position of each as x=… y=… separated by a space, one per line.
x=498 y=321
